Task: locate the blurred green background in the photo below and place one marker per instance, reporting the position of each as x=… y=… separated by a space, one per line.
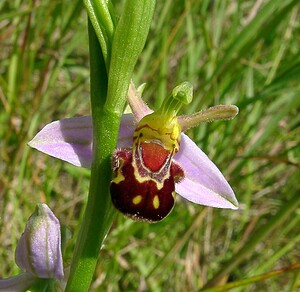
x=233 y=52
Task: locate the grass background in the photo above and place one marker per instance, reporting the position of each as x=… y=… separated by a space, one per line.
x=234 y=52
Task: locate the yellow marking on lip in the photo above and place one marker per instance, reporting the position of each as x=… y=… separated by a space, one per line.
x=137 y=199
x=156 y=202
x=119 y=177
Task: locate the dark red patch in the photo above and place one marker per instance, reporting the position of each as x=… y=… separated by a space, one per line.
x=177 y=172
x=154 y=155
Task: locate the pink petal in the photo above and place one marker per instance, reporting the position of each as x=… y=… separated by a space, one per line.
x=204 y=183
x=127 y=127
x=71 y=139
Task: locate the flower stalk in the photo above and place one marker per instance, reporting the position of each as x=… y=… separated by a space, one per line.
x=108 y=97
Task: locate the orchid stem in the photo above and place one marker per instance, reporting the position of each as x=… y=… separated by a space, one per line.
x=99 y=212
x=108 y=98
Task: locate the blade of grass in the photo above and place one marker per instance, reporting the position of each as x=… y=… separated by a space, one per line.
x=286 y=210
x=254 y=279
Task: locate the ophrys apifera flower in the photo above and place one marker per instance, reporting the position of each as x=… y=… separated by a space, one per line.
x=154 y=159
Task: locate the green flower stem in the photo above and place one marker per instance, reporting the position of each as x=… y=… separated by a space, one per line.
x=108 y=97
x=99 y=212
x=285 y=211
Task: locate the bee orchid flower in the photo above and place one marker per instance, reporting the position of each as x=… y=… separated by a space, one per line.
x=154 y=159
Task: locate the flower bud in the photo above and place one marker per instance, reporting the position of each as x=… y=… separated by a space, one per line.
x=39 y=249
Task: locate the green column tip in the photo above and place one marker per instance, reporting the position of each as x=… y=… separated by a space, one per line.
x=183 y=92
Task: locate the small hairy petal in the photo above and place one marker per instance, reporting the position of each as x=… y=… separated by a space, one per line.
x=214 y=113
x=39 y=248
x=71 y=139
x=138 y=106
x=203 y=183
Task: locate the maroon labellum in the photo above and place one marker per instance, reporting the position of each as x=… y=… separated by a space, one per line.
x=146 y=192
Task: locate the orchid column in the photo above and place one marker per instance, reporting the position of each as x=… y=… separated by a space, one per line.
x=114 y=50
